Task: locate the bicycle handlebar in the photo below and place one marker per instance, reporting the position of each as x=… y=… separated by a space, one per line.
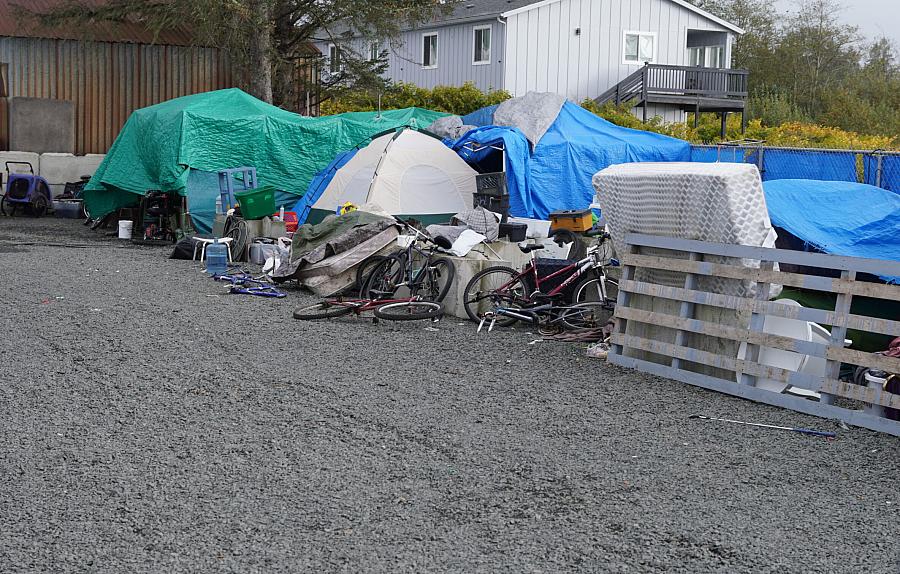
x=424 y=236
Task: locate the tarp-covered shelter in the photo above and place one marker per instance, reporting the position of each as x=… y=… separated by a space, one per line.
x=838 y=217
x=224 y=129
x=554 y=172
x=406 y=173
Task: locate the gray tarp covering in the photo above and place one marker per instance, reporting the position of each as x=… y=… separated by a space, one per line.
x=449 y=127
x=314 y=243
x=533 y=114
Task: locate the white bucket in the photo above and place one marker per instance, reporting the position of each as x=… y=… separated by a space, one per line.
x=125 y=229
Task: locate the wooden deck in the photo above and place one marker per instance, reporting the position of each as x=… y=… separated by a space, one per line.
x=692 y=89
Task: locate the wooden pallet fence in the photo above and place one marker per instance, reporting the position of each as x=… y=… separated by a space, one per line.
x=637 y=349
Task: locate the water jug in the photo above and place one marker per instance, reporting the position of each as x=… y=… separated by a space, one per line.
x=216 y=258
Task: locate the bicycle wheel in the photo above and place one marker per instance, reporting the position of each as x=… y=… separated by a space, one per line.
x=438 y=279
x=591 y=289
x=365 y=270
x=321 y=310
x=589 y=315
x=384 y=279
x=410 y=311
x=491 y=289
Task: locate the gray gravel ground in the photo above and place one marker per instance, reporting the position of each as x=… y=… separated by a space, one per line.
x=151 y=423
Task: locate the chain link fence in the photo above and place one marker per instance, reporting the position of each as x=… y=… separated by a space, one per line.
x=874 y=167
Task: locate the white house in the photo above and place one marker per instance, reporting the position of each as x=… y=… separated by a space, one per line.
x=581 y=49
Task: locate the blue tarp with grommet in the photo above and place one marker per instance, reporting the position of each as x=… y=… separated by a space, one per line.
x=838 y=217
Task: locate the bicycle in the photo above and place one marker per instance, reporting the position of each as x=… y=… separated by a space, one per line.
x=405 y=309
x=504 y=292
x=243 y=283
x=413 y=269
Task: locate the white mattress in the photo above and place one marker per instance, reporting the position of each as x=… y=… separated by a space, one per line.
x=715 y=202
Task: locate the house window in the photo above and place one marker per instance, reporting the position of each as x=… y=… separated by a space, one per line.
x=481 y=53
x=697 y=57
x=707 y=57
x=716 y=58
x=374 y=52
x=334 y=59
x=430 y=50
x=640 y=47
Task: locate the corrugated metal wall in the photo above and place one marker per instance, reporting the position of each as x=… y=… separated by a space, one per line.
x=108 y=81
x=544 y=52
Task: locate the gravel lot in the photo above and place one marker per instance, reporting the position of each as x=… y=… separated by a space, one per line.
x=151 y=423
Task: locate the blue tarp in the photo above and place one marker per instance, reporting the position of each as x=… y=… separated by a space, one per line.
x=804 y=164
x=481 y=118
x=318 y=184
x=557 y=173
x=841 y=218
x=714 y=155
x=890 y=171
x=202 y=190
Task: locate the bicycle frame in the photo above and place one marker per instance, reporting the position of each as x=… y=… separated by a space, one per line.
x=581 y=267
x=360 y=306
x=408 y=253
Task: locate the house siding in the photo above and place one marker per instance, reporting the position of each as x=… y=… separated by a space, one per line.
x=544 y=54
x=455 y=55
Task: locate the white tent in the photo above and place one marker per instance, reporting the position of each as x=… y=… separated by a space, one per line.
x=405 y=173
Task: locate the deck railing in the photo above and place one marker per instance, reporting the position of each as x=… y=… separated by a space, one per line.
x=664 y=79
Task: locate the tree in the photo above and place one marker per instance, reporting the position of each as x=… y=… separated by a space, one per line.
x=266 y=40
x=758 y=20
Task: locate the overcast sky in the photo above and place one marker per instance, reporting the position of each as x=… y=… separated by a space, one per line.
x=875 y=18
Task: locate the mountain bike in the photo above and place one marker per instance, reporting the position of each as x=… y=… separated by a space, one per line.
x=415 y=271
x=505 y=295
x=404 y=309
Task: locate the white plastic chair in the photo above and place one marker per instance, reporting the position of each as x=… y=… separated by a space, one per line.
x=202 y=242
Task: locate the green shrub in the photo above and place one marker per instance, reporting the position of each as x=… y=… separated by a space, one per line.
x=460 y=101
x=775 y=119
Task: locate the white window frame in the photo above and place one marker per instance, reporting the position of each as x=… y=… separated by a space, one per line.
x=490 y=29
x=709 y=55
x=374 y=51
x=437 y=48
x=332 y=69
x=691 y=50
x=638 y=33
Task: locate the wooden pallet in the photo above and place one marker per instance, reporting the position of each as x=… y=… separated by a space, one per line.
x=682 y=361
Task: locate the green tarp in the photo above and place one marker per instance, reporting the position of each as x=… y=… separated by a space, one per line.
x=226 y=129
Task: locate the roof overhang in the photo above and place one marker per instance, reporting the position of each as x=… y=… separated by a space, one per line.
x=683 y=3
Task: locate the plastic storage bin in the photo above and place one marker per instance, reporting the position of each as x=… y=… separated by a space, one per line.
x=256 y=203
x=515 y=232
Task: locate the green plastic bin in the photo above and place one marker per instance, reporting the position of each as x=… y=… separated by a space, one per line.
x=256 y=203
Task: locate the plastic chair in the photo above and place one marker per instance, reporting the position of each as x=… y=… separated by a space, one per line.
x=201 y=243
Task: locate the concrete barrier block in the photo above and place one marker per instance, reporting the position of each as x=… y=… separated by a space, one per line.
x=41 y=125
x=60 y=168
x=32 y=158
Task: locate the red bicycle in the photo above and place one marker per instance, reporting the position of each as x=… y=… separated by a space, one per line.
x=504 y=295
x=405 y=309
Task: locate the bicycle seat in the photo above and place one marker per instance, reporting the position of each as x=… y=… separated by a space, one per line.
x=530 y=248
